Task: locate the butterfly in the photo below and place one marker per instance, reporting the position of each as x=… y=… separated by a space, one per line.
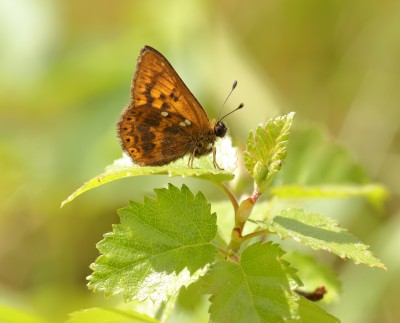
x=164 y=121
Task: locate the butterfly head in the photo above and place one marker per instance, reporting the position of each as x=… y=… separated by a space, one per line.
x=220 y=129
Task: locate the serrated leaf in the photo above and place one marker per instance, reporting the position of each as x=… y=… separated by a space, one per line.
x=266 y=149
x=146 y=254
x=258 y=289
x=312 y=313
x=203 y=168
x=108 y=315
x=320 y=232
x=314 y=274
x=375 y=194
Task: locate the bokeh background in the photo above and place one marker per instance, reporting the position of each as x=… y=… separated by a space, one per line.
x=65 y=73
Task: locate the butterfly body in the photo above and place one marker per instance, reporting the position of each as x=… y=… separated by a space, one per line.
x=164 y=121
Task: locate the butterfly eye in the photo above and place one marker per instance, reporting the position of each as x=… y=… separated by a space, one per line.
x=220 y=129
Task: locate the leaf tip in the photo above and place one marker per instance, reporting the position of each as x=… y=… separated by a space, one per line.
x=67 y=200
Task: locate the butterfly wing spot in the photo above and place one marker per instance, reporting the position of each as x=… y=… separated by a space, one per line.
x=148 y=147
x=182 y=124
x=165 y=106
x=187 y=122
x=147 y=136
x=173 y=96
x=164 y=114
x=172 y=131
x=152 y=121
x=147 y=93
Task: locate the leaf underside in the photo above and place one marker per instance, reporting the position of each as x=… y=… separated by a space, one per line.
x=320 y=232
x=203 y=169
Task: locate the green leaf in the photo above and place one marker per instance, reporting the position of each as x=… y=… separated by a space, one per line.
x=109 y=315
x=375 y=194
x=146 y=254
x=320 y=232
x=202 y=168
x=312 y=313
x=258 y=289
x=266 y=149
x=313 y=275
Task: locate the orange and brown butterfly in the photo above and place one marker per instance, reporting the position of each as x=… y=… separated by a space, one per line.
x=164 y=121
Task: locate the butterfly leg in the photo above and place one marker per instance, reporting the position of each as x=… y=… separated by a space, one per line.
x=191 y=159
x=214 y=150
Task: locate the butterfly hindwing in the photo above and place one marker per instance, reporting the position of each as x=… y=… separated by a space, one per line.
x=153 y=137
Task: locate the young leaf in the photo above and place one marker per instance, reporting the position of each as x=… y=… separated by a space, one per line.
x=258 y=289
x=145 y=255
x=320 y=232
x=203 y=168
x=266 y=149
x=108 y=315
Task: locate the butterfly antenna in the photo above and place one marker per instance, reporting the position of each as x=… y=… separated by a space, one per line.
x=220 y=110
x=241 y=105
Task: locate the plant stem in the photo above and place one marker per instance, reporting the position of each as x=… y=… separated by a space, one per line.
x=255 y=234
x=222 y=251
x=242 y=213
x=230 y=195
x=227 y=255
x=256 y=194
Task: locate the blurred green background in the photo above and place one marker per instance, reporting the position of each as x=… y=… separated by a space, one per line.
x=65 y=73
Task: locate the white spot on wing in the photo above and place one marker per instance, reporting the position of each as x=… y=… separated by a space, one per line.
x=164 y=113
x=188 y=122
x=182 y=124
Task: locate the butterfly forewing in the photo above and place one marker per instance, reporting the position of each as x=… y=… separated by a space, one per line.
x=157 y=83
